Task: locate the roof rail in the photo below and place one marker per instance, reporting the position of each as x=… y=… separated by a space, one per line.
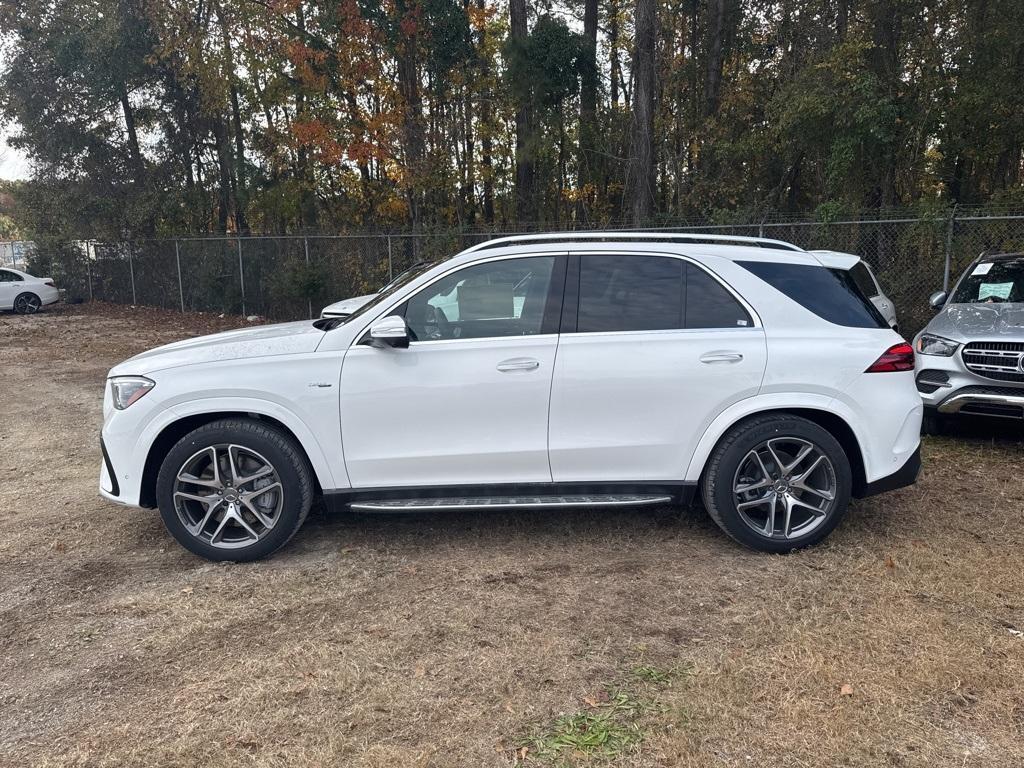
x=688 y=237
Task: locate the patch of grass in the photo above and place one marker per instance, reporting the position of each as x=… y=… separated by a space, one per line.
x=655 y=676
x=607 y=730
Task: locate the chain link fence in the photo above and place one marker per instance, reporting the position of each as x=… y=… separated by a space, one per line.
x=294 y=277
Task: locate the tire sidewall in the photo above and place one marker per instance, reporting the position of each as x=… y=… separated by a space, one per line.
x=752 y=435
x=264 y=441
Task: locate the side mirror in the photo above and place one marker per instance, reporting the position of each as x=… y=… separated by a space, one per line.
x=390 y=331
x=937 y=299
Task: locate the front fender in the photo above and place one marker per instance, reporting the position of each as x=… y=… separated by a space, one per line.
x=131 y=466
x=752 y=406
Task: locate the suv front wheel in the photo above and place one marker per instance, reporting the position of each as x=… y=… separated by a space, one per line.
x=777 y=483
x=235 y=489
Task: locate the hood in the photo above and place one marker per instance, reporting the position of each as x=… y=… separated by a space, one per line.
x=262 y=341
x=347 y=306
x=977 y=322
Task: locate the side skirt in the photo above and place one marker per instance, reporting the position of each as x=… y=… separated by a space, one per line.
x=507 y=495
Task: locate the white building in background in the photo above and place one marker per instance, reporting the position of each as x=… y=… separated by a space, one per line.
x=13 y=253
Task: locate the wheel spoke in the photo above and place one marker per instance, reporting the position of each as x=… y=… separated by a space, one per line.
x=769 y=526
x=265 y=521
x=208 y=501
x=808 y=489
x=220 y=528
x=787 y=502
x=201 y=525
x=766 y=499
x=816 y=511
x=249 y=529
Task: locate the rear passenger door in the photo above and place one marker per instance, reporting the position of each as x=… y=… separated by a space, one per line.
x=652 y=349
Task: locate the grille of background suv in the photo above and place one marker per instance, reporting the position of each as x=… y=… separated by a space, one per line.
x=999 y=360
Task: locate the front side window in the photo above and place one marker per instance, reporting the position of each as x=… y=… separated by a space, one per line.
x=652 y=293
x=992 y=282
x=831 y=294
x=497 y=298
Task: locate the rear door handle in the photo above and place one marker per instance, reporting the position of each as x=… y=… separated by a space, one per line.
x=518 y=364
x=721 y=357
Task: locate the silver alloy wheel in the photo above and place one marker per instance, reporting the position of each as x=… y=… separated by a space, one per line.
x=27 y=304
x=228 y=496
x=784 y=488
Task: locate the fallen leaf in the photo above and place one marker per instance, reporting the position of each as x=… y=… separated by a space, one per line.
x=889 y=562
x=846 y=690
x=187 y=591
x=419 y=671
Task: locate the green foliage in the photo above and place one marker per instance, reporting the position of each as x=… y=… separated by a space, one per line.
x=148 y=119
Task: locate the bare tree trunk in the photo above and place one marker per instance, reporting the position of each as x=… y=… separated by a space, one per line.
x=613 y=50
x=134 y=152
x=716 y=47
x=486 y=148
x=588 y=95
x=412 y=112
x=640 y=184
x=525 y=196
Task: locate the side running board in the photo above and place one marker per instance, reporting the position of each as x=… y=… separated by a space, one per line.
x=509 y=502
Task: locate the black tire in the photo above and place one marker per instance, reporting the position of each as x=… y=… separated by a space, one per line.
x=934 y=423
x=279 y=449
x=724 y=463
x=27 y=303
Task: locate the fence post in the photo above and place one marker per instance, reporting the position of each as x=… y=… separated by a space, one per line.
x=949 y=248
x=309 y=300
x=90 y=249
x=181 y=289
x=131 y=271
x=241 y=275
x=391 y=266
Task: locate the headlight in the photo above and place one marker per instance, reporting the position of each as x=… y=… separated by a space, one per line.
x=936 y=345
x=125 y=390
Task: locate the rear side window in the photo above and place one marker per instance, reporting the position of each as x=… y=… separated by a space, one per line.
x=649 y=293
x=709 y=305
x=630 y=293
x=831 y=294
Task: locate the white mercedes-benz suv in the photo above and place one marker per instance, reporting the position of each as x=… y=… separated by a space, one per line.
x=596 y=369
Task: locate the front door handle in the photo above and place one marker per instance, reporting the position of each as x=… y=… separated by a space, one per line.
x=721 y=356
x=518 y=364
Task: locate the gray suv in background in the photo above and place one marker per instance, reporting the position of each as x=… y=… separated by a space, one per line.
x=970 y=357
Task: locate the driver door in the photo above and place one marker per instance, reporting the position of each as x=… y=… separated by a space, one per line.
x=467 y=402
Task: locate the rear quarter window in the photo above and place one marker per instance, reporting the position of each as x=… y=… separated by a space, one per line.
x=831 y=294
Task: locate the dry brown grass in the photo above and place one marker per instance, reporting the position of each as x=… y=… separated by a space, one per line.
x=455 y=640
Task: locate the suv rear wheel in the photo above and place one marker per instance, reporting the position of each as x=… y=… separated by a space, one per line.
x=777 y=483
x=235 y=489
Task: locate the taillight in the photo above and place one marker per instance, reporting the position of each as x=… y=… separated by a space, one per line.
x=898 y=357
x=49 y=283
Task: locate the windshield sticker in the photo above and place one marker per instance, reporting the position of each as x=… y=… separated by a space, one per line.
x=994 y=290
x=982 y=269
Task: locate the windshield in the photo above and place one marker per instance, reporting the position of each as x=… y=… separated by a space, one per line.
x=992 y=282
x=326 y=324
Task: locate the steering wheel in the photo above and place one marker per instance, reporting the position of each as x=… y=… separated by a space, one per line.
x=444 y=328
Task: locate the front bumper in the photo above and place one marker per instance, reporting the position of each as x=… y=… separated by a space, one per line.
x=901 y=478
x=947 y=387
x=1001 y=402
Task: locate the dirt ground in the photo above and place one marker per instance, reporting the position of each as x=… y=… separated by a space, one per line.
x=626 y=638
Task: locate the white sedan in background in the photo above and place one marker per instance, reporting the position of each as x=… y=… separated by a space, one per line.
x=24 y=293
